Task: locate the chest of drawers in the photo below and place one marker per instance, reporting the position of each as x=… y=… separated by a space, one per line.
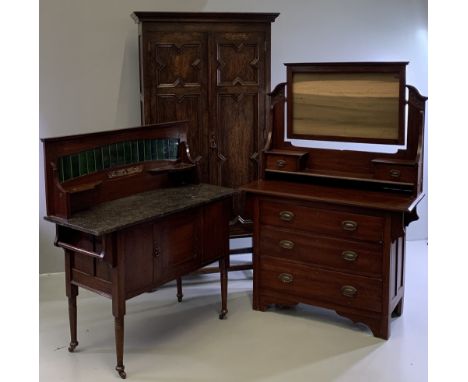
x=313 y=245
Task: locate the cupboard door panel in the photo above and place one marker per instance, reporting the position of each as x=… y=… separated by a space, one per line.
x=239 y=120
x=177 y=245
x=175 y=73
x=238 y=139
x=216 y=236
x=238 y=59
x=138 y=253
x=174 y=60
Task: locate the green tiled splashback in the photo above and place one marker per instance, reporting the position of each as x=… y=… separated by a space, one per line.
x=116 y=154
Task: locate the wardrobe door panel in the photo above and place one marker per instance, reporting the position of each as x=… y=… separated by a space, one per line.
x=175 y=60
x=175 y=81
x=240 y=105
x=174 y=107
x=237 y=59
x=238 y=143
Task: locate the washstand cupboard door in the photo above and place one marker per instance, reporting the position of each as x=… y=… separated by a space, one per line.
x=177 y=246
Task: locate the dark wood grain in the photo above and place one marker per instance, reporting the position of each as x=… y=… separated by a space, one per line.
x=331 y=231
x=212 y=69
x=69 y=197
x=120 y=247
x=370 y=168
x=322 y=251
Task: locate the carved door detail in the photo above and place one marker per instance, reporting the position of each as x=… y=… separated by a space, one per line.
x=240 y=106
x=175 y=86
x=238 y=142
x=215 y=76
x=237 y=62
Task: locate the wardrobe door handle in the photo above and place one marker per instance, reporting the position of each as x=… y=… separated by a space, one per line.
x=286 y=278
x=349 y=225
x=348 y=291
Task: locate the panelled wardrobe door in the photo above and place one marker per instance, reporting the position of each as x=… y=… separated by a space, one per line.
x=212 y=69
x=239 y=112
x=174 y=72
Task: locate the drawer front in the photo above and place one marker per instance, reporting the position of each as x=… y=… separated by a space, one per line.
x=282 y=162
x=344 y=224
x=345 y=255
x=396 y=173
x=304 y=282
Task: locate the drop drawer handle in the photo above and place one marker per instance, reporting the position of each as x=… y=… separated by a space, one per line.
x=280 y=163
x=348 y=291
x=349 y=255
x=349 y=225
x=395 y=173
x=287 y=216
x=286 y=244
x=286 y=278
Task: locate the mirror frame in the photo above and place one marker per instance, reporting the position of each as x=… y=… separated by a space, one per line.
x=397 y=68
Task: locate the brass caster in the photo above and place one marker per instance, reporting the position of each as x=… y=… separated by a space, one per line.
x=223 y=314
x=121 y=371
x=72 y=346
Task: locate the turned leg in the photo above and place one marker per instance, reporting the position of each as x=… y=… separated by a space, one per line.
x=223 y=263
x=179 y=289
x=72 y=317
x=71 y=292
x=119 y=344
x=118 y=311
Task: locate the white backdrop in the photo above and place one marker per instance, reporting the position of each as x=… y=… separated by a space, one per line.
x=89 y=61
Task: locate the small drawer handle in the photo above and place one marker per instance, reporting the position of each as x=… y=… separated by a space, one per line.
x=349 y=225
x=156 y=250
x=286 y=278
x=280 y=163
x=287 y=216
x=395 y=173
x=349 y=256
x=348 y=291
x=286 y=244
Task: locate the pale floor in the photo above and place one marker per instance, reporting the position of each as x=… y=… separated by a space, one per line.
x=171 y=342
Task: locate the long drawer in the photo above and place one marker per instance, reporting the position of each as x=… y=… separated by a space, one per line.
x=303 y=282
x=334 y=222
x=340 y=254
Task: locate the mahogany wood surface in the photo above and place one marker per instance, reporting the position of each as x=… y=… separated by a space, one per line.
x=128 y=242
x=212 y=69
x=402 y=168
x=330 y=231
x=66 y=198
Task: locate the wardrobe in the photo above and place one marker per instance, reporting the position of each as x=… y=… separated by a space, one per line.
x=212 y=69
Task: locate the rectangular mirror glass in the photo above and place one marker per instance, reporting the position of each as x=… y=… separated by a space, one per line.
x=346 y=106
